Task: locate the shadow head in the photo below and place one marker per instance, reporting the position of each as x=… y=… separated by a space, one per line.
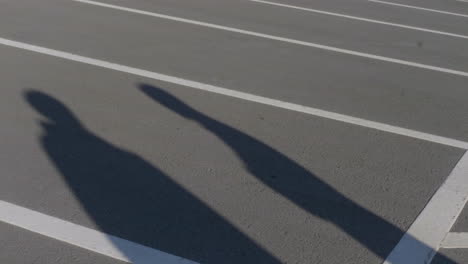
x=50 y=108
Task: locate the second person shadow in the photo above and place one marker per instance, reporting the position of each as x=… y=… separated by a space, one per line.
x=295 y=183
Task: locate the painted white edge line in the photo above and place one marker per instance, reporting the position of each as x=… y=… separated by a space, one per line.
x=455 y=240
x=240 y=95
x=420 y=8
x=84 y=237
x=425 y=235
x=287 y=40
x=362 y=19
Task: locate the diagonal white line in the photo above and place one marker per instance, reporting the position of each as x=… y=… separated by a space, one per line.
x=240 y=95
x=287 y=40
x=419 y=8
x=455 y=240
x=84 y=237
x=426 y=234
x=363 y=19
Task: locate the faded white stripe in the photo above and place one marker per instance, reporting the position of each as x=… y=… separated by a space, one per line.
x=364 y=19
x=287 y=40
x=419 y=8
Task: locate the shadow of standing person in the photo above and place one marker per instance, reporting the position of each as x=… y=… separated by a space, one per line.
x=294 y=182
x=128 y=197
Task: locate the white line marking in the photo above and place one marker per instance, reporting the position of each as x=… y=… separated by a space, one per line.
x=455 y=240
x=288 y=40
x=362 y=19
x=240 y=95
x=424 y=237
x=84 y=237
x=420 y=8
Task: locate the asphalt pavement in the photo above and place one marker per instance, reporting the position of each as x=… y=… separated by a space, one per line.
x=245 y=131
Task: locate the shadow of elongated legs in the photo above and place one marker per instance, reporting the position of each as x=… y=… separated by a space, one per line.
x=293 y=181
x=128 y=197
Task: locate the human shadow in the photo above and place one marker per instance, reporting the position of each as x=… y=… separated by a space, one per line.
x=130 y=198
x=295 y=183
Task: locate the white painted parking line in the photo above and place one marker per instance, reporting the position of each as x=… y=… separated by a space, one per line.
x=84 y=237
x=419 y=8
x=455 y=240
x=288 y=40
x=425 y=235
x=240 y=95
x=363 y=19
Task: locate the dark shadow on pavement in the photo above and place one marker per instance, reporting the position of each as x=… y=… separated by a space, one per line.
x=130 y=198
x=294 y=182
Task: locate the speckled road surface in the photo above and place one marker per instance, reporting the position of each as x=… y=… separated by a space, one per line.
x=221 y=131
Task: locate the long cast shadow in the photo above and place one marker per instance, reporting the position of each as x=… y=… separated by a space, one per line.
x=128 y=197
x=294 y=182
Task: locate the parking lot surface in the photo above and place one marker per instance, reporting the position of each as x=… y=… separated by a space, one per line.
x=244 y=131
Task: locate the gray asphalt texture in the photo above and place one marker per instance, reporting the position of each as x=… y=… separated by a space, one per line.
x=216 y=179
x=455 y=255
